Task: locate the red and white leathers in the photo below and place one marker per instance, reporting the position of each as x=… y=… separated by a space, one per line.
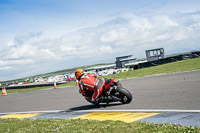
x=92 y=83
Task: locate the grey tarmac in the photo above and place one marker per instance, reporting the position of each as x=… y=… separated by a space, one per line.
x=168 y=91
x=178 y=91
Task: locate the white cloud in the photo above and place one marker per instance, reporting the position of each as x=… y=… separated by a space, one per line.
x=161 y=37
x=46 y=53
x=196 y=18
x=11 y=43
x=24 y=37
x=28 y=35
x=14 y=62
x=164 y=21
x=5 y=68
x=22 y=51
x=106 y=49
x=181 y=36
x=113 y=35
x=68 y=49
x=140 y=23
x=121 y=35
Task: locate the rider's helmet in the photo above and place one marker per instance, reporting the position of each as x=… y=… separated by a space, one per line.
x=79 y=73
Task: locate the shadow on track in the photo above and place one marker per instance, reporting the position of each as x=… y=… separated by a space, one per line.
x=90 y=107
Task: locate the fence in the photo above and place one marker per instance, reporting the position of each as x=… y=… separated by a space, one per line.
x=30 y=86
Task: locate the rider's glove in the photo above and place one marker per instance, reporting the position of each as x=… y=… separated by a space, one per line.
x=82 y=92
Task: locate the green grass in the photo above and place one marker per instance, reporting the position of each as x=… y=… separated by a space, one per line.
x=180 y=66
x=88 y=126
x=68 y=84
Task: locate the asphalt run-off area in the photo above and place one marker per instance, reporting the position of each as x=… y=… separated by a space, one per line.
x=167 y=98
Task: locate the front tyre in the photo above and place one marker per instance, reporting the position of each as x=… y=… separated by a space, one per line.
x=124 y=95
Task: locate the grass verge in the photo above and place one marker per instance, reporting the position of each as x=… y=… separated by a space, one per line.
x=180 y=66
x=88 y=126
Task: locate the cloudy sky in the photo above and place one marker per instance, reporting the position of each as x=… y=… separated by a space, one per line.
x=40 y=36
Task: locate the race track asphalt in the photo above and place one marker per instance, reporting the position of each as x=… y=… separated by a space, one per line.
x=178 y=91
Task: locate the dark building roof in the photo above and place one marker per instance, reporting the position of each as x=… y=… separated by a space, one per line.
x=126 y=56
x=128 y=59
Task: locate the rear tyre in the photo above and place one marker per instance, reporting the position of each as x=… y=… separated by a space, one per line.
x=125 y=95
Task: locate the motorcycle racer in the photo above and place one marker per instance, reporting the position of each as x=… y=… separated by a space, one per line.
x=90 y=82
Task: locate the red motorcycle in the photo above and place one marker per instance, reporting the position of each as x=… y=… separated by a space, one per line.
x=113 y=92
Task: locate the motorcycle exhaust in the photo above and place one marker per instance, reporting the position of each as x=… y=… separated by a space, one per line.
x=114 y=99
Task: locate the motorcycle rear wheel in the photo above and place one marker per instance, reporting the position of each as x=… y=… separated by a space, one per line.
x=125 y=95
